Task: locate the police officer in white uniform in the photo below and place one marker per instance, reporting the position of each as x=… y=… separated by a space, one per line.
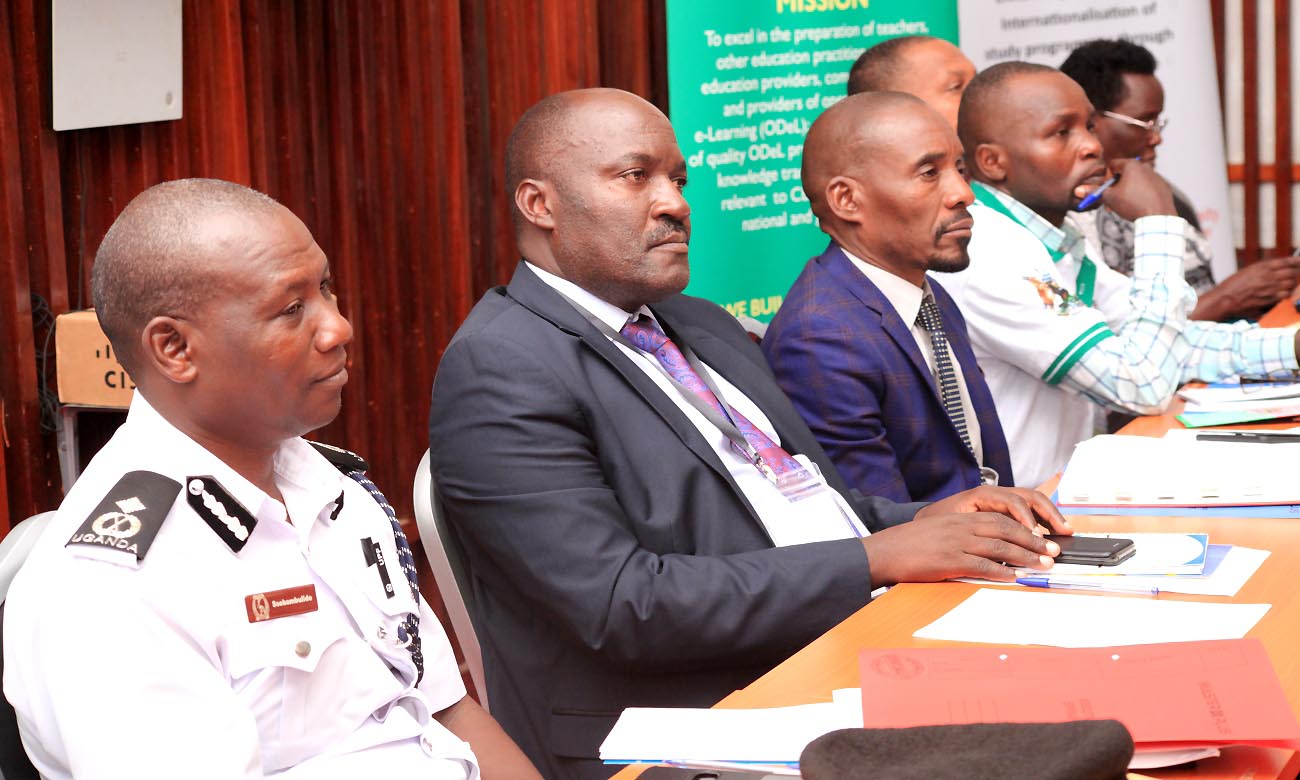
x=215 y=597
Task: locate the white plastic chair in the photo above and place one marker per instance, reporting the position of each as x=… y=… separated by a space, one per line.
x=16 y=545
x=14 y=549
x=450 y=572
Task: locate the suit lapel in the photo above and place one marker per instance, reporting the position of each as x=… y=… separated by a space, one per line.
x=853 y=280
x=531 y=292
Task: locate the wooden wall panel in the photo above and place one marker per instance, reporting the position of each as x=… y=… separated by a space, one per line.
x=1250 y=111
x=1282 y=124
x=28 y=458
x=1261 y=117
x=382 y=125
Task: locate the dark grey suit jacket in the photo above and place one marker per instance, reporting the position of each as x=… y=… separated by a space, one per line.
x=615 y=563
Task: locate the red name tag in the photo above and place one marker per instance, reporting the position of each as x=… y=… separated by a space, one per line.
x=280 y=603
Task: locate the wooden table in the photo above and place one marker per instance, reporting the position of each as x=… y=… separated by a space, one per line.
x=830 y=662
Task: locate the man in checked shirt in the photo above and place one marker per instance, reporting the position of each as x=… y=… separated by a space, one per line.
x=1057 y=332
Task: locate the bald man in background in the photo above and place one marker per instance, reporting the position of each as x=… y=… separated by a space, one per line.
x=930 y=68
x=869 y=347
x=647 y=519
x=217 y=597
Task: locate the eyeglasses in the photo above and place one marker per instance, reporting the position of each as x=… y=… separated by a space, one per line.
x=1158 y=124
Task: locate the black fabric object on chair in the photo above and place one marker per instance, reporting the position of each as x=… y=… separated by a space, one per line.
x=14 y=764
x=1077 y=750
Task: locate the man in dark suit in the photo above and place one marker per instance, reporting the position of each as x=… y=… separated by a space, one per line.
x=632 y=539
x=901 y=408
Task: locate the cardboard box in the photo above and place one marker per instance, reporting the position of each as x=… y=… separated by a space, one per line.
x=87 y=371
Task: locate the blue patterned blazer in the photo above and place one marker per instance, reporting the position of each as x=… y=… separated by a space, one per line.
x=850 y=365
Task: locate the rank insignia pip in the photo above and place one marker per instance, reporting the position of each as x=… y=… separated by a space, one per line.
x=130 y=515
x=223 y=513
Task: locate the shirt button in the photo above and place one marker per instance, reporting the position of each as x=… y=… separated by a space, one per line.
x=303 y=649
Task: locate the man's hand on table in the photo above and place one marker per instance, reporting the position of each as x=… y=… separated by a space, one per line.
x=971 y=534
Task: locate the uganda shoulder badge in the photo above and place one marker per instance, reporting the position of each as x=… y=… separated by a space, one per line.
x=128 y=518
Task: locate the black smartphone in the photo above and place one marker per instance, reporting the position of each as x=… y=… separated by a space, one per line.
x=1093 y=550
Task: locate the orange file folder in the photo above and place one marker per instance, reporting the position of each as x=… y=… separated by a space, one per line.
x=1209 y=693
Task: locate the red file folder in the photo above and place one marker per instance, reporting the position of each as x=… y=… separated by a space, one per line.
x=1206 y=693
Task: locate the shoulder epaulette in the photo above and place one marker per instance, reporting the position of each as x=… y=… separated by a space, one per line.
x=128 y=518
x=228 y=519
x=343 y=460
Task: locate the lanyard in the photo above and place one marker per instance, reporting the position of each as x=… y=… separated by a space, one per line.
x=726 y=424
x=1086 y=279
x=795 y=485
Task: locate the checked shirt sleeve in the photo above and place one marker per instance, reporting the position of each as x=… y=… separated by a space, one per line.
x=1151 y=352
x=1224 y=349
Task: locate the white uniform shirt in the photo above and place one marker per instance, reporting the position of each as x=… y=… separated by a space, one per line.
x=821 y=518
x=1019 y=330
x=154 y=669
x=906 y=299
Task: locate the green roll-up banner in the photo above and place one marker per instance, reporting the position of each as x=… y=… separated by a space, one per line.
x=746 y=78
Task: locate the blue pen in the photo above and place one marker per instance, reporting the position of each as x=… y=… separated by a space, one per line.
x=1095 y=195
x=1044 y=582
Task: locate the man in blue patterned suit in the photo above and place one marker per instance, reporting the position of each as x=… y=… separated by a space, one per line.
x=871 y=350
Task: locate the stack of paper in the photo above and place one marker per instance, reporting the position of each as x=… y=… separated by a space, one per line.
x=1222 y=393
x=1173 y=698
x=1163 y=563
x=1234 y=403
x=760 y=740
x=1227 y=569
x=1179 y=470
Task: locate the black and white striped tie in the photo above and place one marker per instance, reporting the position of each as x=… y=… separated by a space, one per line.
x=949 y=391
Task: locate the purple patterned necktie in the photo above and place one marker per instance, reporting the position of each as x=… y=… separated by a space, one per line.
x=645 y=334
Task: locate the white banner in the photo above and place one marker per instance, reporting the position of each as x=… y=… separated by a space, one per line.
x=1178 y=32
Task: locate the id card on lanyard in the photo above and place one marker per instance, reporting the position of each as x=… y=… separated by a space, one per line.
x=796 y=481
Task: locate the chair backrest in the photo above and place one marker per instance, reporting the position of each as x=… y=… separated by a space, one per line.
x=14 y=548
x=450 y=572
x=16 y=545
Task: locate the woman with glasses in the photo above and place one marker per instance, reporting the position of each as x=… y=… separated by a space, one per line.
x=1119 y=78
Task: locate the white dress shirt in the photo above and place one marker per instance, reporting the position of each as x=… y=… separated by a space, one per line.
x=816 y=519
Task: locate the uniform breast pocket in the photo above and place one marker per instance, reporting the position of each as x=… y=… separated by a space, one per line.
x=390 y=603
x=309 y=681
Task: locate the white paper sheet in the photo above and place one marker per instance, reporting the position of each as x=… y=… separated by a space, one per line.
x=1012 y=617
x=769 y=735
x=1154 y=759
